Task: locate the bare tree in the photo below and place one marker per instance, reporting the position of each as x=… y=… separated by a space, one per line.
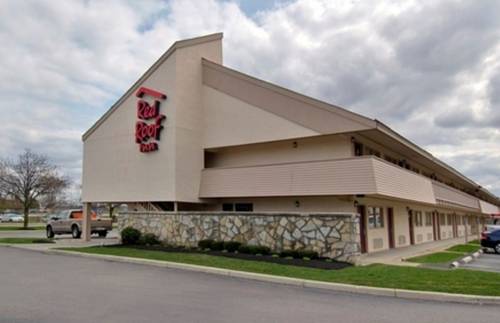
x=29 y=178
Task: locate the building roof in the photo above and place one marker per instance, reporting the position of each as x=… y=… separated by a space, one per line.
x=244 y=87
x=296 y=107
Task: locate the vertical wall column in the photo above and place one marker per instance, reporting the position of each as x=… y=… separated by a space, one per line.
x=86 y=221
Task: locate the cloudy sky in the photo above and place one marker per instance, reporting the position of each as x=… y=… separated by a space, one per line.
x=429 y=69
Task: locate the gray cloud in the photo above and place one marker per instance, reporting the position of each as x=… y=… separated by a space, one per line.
x=431 y=70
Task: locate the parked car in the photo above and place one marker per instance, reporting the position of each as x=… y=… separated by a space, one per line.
x=491 y=239
x=11 y=217
x=70 y=221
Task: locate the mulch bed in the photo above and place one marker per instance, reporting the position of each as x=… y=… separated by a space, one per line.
x=320 y=263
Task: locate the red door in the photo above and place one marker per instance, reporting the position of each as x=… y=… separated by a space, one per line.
x=410 y=224
x=362 y=228
x=434 y=226
x=390 y=220
x=439 y=225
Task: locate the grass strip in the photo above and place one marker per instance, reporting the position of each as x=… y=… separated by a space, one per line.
x=449 y=281
x=25 y=240
x=436 y=257
x=465 y=248
x=18 y=228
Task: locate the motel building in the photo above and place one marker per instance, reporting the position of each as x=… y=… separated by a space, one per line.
x=199 y=150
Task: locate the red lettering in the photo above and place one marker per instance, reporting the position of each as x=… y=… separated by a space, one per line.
x=149 y=147
x=145 y=131
x=146 y=111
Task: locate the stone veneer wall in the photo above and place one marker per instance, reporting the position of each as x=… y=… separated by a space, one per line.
x=331 y=235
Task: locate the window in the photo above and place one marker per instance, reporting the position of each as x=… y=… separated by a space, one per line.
x=391 y=160
x=227 y=207
x=418 y=218
x=428 y=219
x=442 y=219
x=358 y=149
x=243 y=207
x=371 y=151
x=449 y=219
x=375 y=217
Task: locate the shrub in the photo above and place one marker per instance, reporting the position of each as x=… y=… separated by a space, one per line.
x=205 y=244
x=288 y=253
x=150 y=239
x=309 y=254
x=231 y=246
x=244 y=248
x=262 y=250
x=217 y=245
x=299 y=254
x=254 y=250
x=130 y=236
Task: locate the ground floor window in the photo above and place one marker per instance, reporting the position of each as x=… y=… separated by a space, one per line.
x=238 y=207
x=442 y=219
x=375 y=217
x=428 y=219
x=418 y=218
x=243 y=207
x=227 y=207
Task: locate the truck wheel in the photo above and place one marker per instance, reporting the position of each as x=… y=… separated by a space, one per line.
x=50 y=232
x=75 y=232
x=103 y=234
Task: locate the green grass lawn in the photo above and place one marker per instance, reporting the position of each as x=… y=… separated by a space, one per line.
x=464 y=248
x=17 y=227
x=449 y=281
x=474 y=242
x=25 y=240
x=436 y=257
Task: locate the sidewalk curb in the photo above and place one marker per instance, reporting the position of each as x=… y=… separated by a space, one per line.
x=467 y=259
x=339 y=287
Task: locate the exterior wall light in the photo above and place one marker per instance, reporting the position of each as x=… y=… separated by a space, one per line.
x=295 y=144
x=297 y=203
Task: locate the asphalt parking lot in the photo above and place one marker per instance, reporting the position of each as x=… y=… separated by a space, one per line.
x=487 y=262
x=48 y=288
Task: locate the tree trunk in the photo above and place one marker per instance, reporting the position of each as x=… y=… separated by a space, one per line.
x=26 y=217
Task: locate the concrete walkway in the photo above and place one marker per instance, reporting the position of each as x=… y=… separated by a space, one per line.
x=396 y=256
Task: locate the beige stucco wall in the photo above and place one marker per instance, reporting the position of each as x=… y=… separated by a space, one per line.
x=285 y=151
x=229 y=121
x=401 y=224
x=189 y=117
x=288 y=204
x=113 y=167
x=114 y=170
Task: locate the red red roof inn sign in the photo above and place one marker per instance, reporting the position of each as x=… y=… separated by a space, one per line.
x=148 y=127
